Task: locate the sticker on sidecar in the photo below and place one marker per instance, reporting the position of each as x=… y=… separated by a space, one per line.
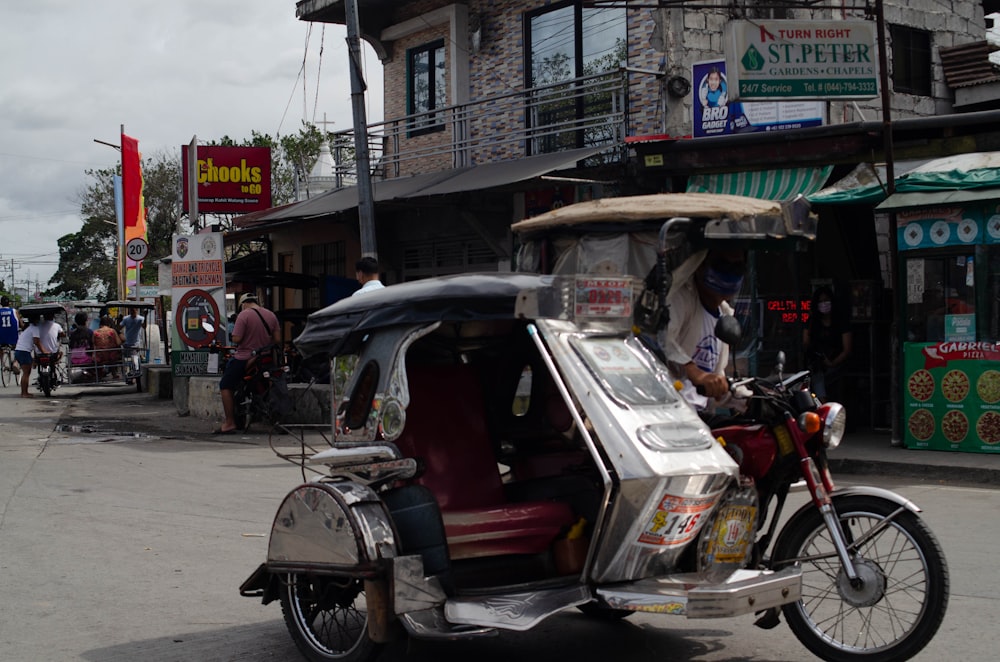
x=603 y=297
x=677 y=520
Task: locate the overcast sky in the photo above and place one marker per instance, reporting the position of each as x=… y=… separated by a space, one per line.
x=72 y=72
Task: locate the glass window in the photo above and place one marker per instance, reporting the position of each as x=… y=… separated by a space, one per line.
x=911 y=60
x=940 y=298
x=566 y=43
x=993 y=294
x=628 y=372
x=426 y=87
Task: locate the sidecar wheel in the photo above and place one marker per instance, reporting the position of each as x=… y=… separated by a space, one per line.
x=902 y=601
x=327 y=617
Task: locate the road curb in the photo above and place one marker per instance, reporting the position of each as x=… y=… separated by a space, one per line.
x=982 y=476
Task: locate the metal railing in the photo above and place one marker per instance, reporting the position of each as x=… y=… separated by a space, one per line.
x=581 y=112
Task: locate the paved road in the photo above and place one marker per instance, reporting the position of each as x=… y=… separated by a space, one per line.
x=125 y=532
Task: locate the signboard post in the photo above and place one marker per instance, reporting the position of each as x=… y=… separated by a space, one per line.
x=198 y=294
x=788 y=60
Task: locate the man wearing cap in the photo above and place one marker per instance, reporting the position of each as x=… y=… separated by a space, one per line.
x=695 y=306
x=256 y=328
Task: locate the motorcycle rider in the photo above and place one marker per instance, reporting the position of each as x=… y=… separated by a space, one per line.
x=695 y=304
x=255 y=328
x=50 y=332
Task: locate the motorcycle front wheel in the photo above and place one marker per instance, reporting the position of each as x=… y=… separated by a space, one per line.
x=327 y=617
x=901 y=601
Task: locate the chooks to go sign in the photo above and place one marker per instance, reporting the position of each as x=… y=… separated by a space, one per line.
x=789 y=60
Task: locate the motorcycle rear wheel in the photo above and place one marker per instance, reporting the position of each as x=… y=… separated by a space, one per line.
x=45 y=381
x=898 y=609
x=327 y=617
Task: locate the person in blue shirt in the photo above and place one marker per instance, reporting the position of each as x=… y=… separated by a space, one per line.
x=132 y=327
x=10 y=327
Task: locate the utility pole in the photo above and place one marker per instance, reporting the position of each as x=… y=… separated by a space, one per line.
x=366 y=204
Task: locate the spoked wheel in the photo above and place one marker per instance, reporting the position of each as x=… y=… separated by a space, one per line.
x=901 y=599
x=327 y=617
x=6 y=369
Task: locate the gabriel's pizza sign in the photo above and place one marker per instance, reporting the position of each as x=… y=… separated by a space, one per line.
x=951 y=396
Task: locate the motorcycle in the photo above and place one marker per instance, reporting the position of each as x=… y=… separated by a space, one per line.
x=509 y=446
x=262 y=394
x=48 y=373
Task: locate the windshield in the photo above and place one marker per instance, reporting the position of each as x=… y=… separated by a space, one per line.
x=626 y=370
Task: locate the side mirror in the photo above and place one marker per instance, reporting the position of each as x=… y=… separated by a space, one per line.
x=728 y=330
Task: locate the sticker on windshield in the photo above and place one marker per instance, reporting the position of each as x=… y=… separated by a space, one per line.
x=603 y=297
x=677 y=520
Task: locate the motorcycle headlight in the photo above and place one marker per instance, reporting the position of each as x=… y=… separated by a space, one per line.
x=834 y=424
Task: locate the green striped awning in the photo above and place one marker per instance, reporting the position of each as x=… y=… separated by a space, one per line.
x=780 y=184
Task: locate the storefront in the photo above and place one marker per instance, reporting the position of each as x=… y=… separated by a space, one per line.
x=948 y=239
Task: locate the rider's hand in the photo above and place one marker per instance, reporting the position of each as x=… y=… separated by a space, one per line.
x=711 y=384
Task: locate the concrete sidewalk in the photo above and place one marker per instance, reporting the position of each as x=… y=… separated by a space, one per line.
x=872 y=453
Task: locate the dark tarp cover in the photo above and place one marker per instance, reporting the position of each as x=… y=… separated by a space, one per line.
x=463 y=297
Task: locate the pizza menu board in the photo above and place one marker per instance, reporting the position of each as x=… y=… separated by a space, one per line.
x=951 y=396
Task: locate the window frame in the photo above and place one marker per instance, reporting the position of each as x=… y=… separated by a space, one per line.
x=912 y=60
x=431 y=121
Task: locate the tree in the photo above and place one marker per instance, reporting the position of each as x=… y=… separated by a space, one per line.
x=87 y=259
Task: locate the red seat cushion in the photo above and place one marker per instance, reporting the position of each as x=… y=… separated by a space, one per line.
x=514 y=528
x=446 y=429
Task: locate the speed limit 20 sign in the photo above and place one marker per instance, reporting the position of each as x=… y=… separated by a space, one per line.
x=137 y=249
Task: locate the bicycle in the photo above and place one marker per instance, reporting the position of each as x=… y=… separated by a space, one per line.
x=8 y=374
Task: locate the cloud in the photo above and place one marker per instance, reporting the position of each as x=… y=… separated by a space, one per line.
x=73 y=72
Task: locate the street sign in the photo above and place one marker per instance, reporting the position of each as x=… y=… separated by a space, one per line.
x=801 y=60
x=137 y=249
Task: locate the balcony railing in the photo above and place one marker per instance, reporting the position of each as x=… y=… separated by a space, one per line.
x=581 y=112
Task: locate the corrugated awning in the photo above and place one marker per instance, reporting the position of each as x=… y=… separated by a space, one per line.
x=457 y=180
x=779 y=184
x=954 y=179
x=501 y=173
x=866 y=184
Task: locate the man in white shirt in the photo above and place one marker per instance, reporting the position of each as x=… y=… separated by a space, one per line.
x=366 y=271
x=50 y=333
x=695 y=306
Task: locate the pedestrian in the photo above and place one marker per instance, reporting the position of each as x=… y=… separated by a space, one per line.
x=132 y=327
x=366 y=270
x=23 y=352
x=256 y=330
x=10 y=328
x=827 y=342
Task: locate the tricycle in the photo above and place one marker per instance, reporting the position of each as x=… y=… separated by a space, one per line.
x=120 y=360
x=508 y=447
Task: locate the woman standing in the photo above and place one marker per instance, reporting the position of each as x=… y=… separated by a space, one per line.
x=23 y=353
x=827 y=342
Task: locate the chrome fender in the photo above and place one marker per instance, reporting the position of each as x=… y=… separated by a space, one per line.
x=331 y=527
x=860 y=490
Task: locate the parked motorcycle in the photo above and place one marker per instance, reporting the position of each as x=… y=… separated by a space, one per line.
x=262 y=395
x=507 y=449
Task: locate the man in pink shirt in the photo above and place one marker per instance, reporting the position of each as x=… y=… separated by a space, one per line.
x=256 y=328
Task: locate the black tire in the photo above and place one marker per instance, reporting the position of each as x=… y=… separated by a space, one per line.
x=327 y=617
x=6 y=371
x=45 y=381
x=895 y=613
x=597 y=611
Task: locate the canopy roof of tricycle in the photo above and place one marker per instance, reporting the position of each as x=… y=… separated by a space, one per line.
x=725 y=217
x=139 y=304
x=463 y=297
x=40 y=309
